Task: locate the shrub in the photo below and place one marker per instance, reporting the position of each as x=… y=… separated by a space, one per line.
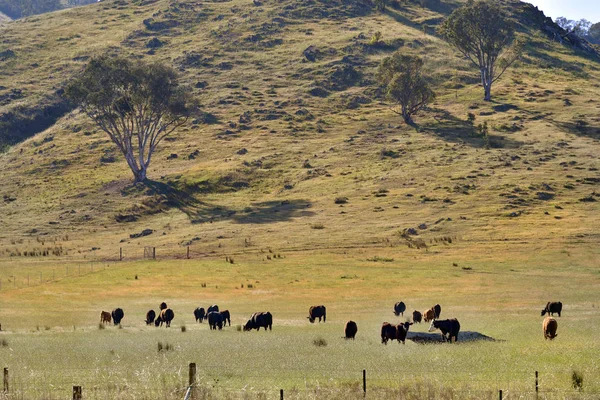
x=4 y=343
x=341 y=200
x=165 y=347
x=317 y=226
x=320 y=342
x=183 y=328
x=577 y=380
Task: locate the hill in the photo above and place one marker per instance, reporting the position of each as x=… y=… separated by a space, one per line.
x=296 y=149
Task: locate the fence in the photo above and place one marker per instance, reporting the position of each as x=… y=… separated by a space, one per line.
x=189 y=387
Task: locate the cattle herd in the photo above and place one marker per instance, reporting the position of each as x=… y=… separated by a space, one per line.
x=217 y=319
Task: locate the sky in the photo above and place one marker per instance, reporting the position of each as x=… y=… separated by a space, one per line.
x=571 y=9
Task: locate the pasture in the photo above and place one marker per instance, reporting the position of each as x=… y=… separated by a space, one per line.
x=52 y=341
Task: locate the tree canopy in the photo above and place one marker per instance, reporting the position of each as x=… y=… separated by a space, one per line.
x=23 y=8
x=482 y=32
x=404 y=84
x=135 y=103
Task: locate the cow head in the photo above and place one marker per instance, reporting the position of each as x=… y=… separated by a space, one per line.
x=157 y=321
x=543 y=312
x=311 y=319
x=433 y=326
x=248 y=326
x=407 y=325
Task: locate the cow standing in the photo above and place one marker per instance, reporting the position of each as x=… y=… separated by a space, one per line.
x=549 y=326
x=212 y=308
x=315 y=312
x=350 y=330
x=402 y=331
x=551 y=308
x=449 y=327
x=215 y=320
x=429 y=315
x=417 y=317
x=199 y=314
x=399 y=308
x=105 y=317
x=259 y=320
x=117 y=315
x=394 y=332
x=150 y=316
x=226 y=317
x=438 y=311
x=165 y=316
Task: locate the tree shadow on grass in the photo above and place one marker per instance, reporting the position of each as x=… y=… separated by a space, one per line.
x=579 y=128
x=452 y=129
x=202 y=212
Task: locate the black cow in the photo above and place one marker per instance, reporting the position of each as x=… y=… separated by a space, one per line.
x=350 y=330
x=259 y=320
x=150 y=315
x=438 y=311
x=552 y=307
x=215 y=320
x=315 y=312
x=399 y=308
x=117 y=315
x=388 y=332
x=163 y=306
x=449 y=327
x=200 y=314
x=165 y=316
x=402 y=331
x=417 y=317
x=212 y=308
x=226 y=317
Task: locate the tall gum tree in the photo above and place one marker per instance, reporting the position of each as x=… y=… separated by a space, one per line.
x=136 y=104
x=484 y=34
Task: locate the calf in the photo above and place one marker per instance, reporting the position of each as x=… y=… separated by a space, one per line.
x=429 y=315
x=350 y=330
x=552 y=307
x=449 y=327
x=105 y=317
x=550 y=326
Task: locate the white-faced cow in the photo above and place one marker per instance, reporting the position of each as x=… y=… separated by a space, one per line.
x=449 y=328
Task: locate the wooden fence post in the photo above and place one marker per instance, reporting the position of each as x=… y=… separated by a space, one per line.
x=5 y=380
x=537 y=387
x=77 y=393
x=154 y=253
x=281 y=394
x=500 y=394
x=120 y=254
x=364 y=382
x=193 y=380
x=188 y=252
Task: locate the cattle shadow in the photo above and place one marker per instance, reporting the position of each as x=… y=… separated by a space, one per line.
x=199 y=212
x=436 y=337
x=452 y=129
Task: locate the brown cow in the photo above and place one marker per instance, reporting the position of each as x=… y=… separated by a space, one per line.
x=105 y=317
x=315 y=312
x=350 y=330
x=550 y=326
x=417 y=317
x=429 y=315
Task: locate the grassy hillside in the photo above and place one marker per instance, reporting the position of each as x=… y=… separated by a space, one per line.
x=272 y=179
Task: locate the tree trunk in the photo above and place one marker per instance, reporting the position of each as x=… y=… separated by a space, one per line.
x=487 y=90
x=140 y=175
x=486 y=81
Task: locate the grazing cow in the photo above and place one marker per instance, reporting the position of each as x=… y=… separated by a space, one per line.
x=399 y=308
x=117 y=315
x=165 y=316
x=200 y=314
x=226 y=317
x=417 y=317
x=429 y=315
x=350 y=330
x=550 y=326
x=215 y=320
x=150 y=315
x=212 y=308
x=163 y=306
x=402 y=330
x=315 y=312
x=552 y=307
x=259 y=320
x=438 y=310
x=105 y=317
x=449 y=327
